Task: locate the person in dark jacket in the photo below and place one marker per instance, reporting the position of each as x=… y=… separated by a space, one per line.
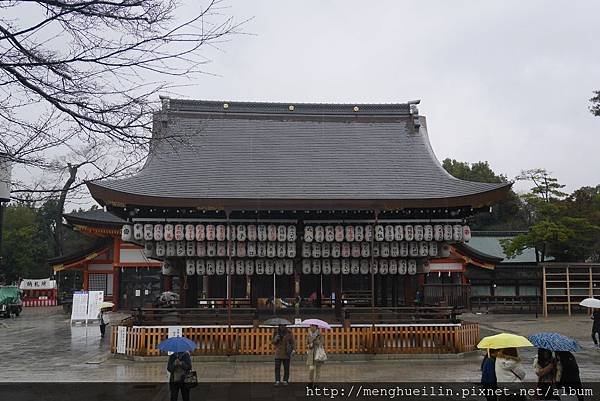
x=179 y=364
x=596 y=327
x=569 y=373
x=284 y=347
x=488 y=374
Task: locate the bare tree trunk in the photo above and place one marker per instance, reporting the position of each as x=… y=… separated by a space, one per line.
x=58 y=230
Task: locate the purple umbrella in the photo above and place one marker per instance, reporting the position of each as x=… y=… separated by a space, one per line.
x=316 y=322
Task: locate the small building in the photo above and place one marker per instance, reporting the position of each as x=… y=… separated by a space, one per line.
x=39 y=292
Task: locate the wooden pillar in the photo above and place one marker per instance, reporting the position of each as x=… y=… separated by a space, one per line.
x=568 y=290
x=544 y=292
x=337 y=288
x=168 y=283
x=86 y=277
x=591 y=294
x=116 y=272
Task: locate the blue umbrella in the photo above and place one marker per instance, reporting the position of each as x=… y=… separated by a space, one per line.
x=554 y=342
x=176 y=344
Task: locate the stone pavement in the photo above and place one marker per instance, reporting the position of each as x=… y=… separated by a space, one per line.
x=41 y=346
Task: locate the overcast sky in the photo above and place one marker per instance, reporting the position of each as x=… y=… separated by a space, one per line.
x=502 y=81
x=506 y=82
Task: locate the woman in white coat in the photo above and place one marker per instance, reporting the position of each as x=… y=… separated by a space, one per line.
x=509 y=371
x=315 y=355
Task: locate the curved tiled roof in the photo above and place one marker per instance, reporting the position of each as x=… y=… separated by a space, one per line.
x=270 y=155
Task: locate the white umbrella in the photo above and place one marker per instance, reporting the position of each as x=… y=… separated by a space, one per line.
x=590 y=303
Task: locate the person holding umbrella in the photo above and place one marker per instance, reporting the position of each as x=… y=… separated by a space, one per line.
x=315 y=354
x=179 y=366
x=545 y=366
x=283 y=339
x=596 y=327
x=105 y=307
x=569 y=373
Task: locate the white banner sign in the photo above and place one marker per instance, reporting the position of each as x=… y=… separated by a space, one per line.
x=121 y=339
x=94 y=301
x=174 y=331
x=41 y=284
x=80 y=306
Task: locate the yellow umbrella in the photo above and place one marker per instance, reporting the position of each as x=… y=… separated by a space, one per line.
x=504 y=340
x=104 y=305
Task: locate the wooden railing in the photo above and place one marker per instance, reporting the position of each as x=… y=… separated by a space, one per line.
x=421 y=314
x=193 y=316
x=521 y=303
x=394 y=339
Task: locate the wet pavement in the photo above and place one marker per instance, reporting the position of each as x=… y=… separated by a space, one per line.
x=42 y=346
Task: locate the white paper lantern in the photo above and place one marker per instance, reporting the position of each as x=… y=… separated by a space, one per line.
x=309 y=234
x=190 y=232
x=340 y=233
x=423 y=249
x=419 y=232
x=379 y=233
x=355 y=249
x=281 y=249
x=220 y=267
x=402 y=267
x=272 y=232
x=281 y=233
x=291 y=233
x=409 y=232
x=271 y=249
x=210 y=233
x=241 y=233
x=325 y=250
x=376 y=250
x=428 y=233
x=413 y=249
x=336 y=266
x=393 y=266
x=389 y=233
x=438 y=232
x=326 y=267
x=251 y=232
x=127 y=233
x=241 y=249
x=220 y=232
x=394 y=249
x=180 y=246
x=230 y=232
x=306 y=250
x=269 y=267
x=345 y=250
x=169 y=232
x=229 y=267
x=149 y=248
x=412 y=267
x=231 y=249
x=210 y=267
x=221 y=249
x=328 y=233
x=171 y=251
x=179 y=232
x=385 y=250
x=457 y=232
x=138 y=232
x=211 y=249
x=260 y=266
x=383 y=266
x=158 y=233
x=190 y=248
x=249 y=267
x=261 y=249
x=190 y=267
x=336 y=250
x=200 y=267
x=433 y=249
x=466 y=233
x=201 y=249
x=262 y=232
x=306 y=266
x=346 y=266
x=349 y=233
x=319 y=233
x=444 y=250
x=200 y=232
x=374 y=269
x=279 y=269
x=398 y=233
x=359 y=233
x=368 y=233
x=289 y=266
x=316 y=250
x=160 y=248
x=240 y=267
x=251 y=251
x=404 y=249
x=365 y=249
x=364 y=266
x=447 y=232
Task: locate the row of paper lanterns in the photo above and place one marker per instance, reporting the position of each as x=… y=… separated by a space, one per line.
x=221 y=267
x=253 y=249
x=283 y=233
